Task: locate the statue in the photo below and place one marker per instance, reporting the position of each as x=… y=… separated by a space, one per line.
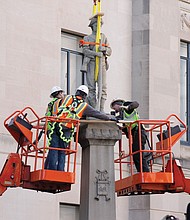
x=96 y=97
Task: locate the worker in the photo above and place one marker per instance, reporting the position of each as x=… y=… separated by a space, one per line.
x=88 y=67
x=73 y=107
x=57 y=94
x=127 y=111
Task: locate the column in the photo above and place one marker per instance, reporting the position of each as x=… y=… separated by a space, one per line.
x=97 y=139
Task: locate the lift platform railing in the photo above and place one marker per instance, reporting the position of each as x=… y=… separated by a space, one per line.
x=30 y=132
x=157 y=151
x=26 y=130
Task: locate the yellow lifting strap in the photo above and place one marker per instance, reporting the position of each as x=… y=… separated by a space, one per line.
x=94 y=7
x=97 y=12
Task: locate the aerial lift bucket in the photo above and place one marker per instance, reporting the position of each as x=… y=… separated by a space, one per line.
x=27 y=164
x=165 y=174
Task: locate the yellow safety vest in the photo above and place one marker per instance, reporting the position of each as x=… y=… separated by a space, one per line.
x=131 y=117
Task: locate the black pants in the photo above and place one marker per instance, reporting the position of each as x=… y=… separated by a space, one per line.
x=135 y=147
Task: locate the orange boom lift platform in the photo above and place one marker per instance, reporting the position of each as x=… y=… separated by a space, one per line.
x=166 y=174
x=25 y=168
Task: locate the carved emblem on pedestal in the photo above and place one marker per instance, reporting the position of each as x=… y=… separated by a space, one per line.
x=102 y=185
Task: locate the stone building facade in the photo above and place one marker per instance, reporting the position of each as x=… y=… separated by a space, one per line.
x=39 y=48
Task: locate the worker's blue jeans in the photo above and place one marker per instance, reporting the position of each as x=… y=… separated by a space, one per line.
x=56 y=158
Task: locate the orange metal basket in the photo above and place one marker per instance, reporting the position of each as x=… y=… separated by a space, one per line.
x=27 y=164
x=164 y=171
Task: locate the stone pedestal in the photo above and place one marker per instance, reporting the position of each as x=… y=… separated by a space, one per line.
x=97 y=199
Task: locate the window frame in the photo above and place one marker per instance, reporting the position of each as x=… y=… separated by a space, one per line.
x=187 y=59
x=69 y=52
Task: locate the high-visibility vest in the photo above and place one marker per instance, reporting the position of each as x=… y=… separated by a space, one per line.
x=134 y=116
x=71 y=108
x=56 y=105
x=52 y=109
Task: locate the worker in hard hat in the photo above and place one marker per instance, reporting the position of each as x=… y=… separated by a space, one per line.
x=127 y=112
x=73 y=107
x=88 y=67
x=57 y=94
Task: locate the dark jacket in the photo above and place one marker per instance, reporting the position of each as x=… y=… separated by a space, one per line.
x=91 y=112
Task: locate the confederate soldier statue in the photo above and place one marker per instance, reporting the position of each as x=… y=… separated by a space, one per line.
x=96 y=98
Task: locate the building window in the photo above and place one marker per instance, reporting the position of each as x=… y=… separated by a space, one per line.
x=185 y=87
x=69 y=212
x=71 y=60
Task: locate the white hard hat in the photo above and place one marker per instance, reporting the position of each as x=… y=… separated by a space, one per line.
x=55 y=89
x=116 y=100
x=83 y=88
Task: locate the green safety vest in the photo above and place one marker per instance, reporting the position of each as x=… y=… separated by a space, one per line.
x=134 y=116
x=50 y=107
x=49 y=111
